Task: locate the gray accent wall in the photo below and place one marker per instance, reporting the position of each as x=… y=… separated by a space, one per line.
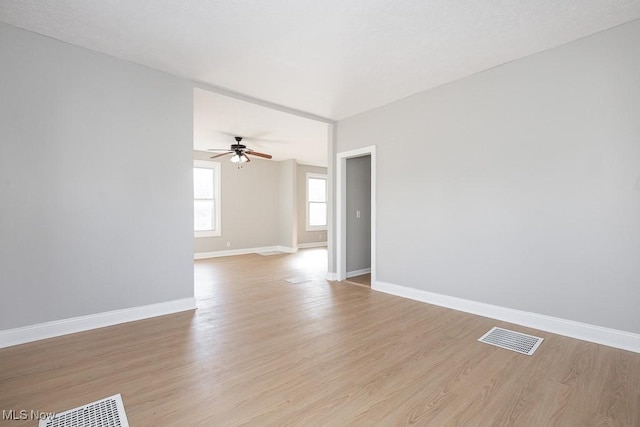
x=95 y=182
x=305 y=236
x=358 y=228
x=518 y=186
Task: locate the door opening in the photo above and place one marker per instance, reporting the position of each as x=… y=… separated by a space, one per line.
x=356 y=213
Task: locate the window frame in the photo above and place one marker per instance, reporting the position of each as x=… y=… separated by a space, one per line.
x=311 y=175
x=217 y=197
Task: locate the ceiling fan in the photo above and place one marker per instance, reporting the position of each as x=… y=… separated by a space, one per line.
x=240 y=152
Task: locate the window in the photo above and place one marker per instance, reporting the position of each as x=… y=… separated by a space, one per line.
x=316 y=202
x=206 y=198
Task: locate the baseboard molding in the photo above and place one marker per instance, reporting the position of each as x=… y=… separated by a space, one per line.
x=332 y=276
x=355 y=273
x=245 y=251
x=582 y=331
x=311 y=245
x=232 y=252
x=57 y=328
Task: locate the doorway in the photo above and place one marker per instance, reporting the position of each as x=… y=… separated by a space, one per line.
x=356 y=214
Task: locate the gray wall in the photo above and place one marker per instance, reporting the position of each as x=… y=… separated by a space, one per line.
x=518 y=186
x=358 y=230
x=95 y=182
x=305 y=236
x=249 y=204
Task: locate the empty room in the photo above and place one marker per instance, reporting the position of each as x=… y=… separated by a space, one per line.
x=327 y=213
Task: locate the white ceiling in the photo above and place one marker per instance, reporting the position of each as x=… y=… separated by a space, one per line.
x=332 y=58
x=217 y=119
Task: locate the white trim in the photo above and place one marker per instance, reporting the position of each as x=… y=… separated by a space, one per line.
x=332 y=277
x=355 y=273
x=244 y=251
x=207 y=164
x=286 y=249
x=306 y=192
x=341 y=203
x=207 y=233
x=582 y=331
x=233 y=252
x=216 y=167
x=72 y=325
x=311 y=245
x=331 y=203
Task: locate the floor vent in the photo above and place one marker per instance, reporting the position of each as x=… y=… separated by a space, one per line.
x=107 y=412
x=297 y=280
x=516 y=341
x=269 y=253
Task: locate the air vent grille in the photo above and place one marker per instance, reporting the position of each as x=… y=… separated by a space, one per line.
x=270 y=253
x=515 y=341
x=297 y=280
x=108 y=412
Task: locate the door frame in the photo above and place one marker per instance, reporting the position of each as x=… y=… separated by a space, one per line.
x=341 y=206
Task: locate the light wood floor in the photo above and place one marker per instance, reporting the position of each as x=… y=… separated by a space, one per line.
x=362 y=280
x=262 y=351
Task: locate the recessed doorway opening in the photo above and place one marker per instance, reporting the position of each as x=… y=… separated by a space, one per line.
x=356 y=216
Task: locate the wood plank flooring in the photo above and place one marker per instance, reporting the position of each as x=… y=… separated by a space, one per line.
x=362 y=280
x=262 y=351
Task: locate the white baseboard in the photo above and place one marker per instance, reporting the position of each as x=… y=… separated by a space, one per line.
x=286 y=249
x=311 y=245
x=332 y=276
x=57 y=328
x=355 y=273
x=232 y=252
x=245 y=251
x=582 y=331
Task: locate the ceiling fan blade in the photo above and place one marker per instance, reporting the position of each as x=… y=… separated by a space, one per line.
x=223 y=154
x=246 y=157
x=255 y=153
x=217 y=149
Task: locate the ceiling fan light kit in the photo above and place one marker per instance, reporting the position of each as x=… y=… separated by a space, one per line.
x=240 y=153
x=239 y=159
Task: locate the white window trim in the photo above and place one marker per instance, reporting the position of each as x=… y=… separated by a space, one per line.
x=215 y=166
x=306 y=186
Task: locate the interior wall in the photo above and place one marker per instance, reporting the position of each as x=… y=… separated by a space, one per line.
x=304 y=236
x=95 y=182
x=358 y=227
x=287 y=214
x=518 y=186
x=263 y=204
x=250 y=203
